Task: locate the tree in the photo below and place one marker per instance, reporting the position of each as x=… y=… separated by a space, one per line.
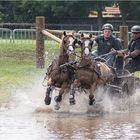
x=123 y=5
x=26 y=11
x=126 y=7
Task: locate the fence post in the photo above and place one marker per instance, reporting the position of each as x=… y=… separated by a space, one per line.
x=40 y=25
x=124 y=36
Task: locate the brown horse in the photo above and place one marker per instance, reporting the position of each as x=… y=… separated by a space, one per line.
x=60 y=76
x=90 y=73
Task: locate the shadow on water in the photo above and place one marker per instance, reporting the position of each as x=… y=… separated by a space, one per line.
x=26 y=117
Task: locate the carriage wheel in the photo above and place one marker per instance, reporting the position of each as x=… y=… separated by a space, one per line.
x=127 y=89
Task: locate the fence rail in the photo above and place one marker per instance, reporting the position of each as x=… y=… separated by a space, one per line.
x=20 y=35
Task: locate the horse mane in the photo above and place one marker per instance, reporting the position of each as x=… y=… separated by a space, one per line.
x=63 y=56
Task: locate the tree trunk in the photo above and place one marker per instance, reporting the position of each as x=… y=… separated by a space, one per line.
x=99 y=18
x=123 y=19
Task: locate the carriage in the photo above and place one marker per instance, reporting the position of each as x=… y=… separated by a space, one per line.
x=123 y=85
x=85 y=74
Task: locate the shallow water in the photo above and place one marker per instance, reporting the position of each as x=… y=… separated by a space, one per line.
x=26 y=117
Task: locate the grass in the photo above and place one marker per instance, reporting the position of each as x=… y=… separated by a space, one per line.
x=137 y=74
x=18 y=65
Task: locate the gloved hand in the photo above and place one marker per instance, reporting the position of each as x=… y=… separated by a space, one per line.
x=120 y=53
x=113 y=51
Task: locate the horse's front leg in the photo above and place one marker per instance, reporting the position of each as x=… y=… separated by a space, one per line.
x=58 y=98
x=91 y=95
x=61 y=92
x=47 y=99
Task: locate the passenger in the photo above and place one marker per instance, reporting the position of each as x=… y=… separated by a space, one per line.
x=133 y=51
x=107 y=43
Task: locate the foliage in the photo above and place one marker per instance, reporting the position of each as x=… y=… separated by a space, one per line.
x=24 y=10
x=129 y=10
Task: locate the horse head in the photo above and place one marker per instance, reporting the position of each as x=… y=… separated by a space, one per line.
x=86 y=43
x=68 y=43
x=67 y=49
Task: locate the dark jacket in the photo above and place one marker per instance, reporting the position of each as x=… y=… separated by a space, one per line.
x=134 y=63
x=105 y=46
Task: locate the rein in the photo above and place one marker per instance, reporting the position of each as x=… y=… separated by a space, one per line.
x=77 y=55
x=45 y=79
x=64 y=54
x=98 y=74
x=94 y=70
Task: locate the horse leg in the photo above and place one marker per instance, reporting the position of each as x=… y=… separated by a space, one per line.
x=61 y=92
x=47 y=99
x=91 y=95
x=75 y=84
x=72 y=95
x=58 y=98
x=91 y=99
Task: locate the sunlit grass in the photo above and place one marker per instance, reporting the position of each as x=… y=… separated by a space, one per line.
x=137 y=73
x=18 y=64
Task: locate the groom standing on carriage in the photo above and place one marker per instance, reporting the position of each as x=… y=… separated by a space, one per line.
x=107 y=46
x=133 y=51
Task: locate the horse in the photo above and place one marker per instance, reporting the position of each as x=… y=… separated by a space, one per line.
x=90 y=73
x=58 y=75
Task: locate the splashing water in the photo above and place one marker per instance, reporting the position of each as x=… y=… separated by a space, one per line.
x=26 y=116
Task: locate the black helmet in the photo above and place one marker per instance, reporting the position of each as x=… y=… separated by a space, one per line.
x=107 y=26
x=135 y=29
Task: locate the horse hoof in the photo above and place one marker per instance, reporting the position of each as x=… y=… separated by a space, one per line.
x=91 y=102
x=58 y=98
x=47 y=101
x=56 y=107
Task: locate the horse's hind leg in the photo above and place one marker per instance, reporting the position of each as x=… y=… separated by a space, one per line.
x=47 y=99
x=91 y=95
x=72 y=95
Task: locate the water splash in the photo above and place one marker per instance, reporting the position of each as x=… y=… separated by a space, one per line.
x=31 y=99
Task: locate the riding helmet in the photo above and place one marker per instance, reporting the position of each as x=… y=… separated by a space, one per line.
x=135 y=29
x=107 y=26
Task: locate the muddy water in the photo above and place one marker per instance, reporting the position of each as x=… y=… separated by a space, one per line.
x=26 y=118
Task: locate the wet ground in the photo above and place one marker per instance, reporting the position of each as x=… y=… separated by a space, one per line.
x=26 y=117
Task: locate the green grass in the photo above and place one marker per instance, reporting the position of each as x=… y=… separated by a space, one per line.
x=18 y=65
x=137 y=73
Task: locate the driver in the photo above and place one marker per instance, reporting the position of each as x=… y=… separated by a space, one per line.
x=107 y=43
